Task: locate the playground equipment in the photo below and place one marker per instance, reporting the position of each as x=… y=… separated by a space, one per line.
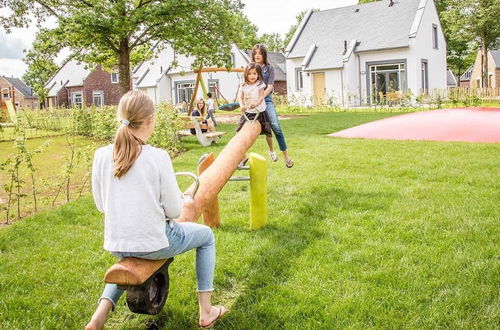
x=147 y=281
x=228 y=106
x=206 y=139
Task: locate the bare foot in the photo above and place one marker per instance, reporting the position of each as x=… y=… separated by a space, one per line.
x=216 y=312
x=94 y=325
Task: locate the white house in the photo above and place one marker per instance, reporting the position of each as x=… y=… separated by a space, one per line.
x=355 y=55
x=166 y=82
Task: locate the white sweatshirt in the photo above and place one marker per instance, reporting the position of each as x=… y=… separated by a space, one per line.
x=136 y=205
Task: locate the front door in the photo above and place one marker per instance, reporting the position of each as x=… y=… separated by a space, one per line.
x=319 y=88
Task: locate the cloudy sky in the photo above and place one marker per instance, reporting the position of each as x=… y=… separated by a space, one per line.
x=268 y=15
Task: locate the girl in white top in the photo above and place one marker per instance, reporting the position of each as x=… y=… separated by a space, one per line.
x=252 y=99
x=134 y=186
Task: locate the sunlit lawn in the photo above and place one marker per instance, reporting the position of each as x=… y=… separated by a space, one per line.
x=361 y=234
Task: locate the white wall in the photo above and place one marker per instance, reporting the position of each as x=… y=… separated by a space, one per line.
x=421 y=47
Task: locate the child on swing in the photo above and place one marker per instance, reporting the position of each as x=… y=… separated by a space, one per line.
x=134 y=186
x=251 y=99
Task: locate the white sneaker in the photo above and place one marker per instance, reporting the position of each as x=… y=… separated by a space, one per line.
x=273 y=156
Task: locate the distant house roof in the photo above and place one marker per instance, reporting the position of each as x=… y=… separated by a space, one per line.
x=373 y=26
x=17 y=83
x=277 y=60
x=451 y=79
x=495 y=53
x=467 y=74
x=72 y=73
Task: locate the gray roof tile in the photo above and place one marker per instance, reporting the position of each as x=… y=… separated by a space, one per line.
x=375 y=25
x=21 y=87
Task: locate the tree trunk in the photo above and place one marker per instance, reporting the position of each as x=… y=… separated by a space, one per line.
x=124 y=65
x=484 y=55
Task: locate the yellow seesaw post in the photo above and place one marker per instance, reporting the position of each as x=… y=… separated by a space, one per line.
x=258 y=191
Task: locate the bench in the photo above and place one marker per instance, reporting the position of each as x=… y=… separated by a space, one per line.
x=205 y=138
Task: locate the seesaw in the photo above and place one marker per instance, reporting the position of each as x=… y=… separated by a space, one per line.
x=147 y=281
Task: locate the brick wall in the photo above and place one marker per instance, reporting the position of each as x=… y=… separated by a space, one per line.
x=18 y=99
x=476 y=71
x=100 y=80
x=280 y=87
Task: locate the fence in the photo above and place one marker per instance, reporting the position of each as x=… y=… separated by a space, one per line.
x=461 y=93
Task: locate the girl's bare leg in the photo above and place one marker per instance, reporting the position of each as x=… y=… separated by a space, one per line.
x=100 y=315
x=208 y=313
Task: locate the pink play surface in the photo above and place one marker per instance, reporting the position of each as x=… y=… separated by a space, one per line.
x=469 y=125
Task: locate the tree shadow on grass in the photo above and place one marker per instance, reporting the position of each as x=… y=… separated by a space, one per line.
x=272 y=264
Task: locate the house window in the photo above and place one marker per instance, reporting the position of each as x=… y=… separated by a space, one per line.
x=478 y=83
x=490 y=80
x=233 y=59
x=425 y=77
x=299 y=81
x=434 y=36
x=386 y=78
x=77 y=99
x=212 y=84
x=184 y=90
x=98 y=98
x=5 y=93
x=115 y=78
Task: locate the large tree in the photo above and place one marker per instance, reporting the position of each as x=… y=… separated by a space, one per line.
x=116 y=33
x=41 y=65
x=273 y=41
x=477 y=21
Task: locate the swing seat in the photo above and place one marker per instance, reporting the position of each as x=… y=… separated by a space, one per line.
x=229 y=106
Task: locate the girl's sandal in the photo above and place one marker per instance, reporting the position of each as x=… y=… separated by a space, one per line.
x=222 y=312
x=289 y=163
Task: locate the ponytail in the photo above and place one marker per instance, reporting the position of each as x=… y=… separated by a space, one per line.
x=134 y=108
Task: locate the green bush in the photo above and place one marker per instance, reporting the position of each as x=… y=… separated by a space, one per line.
x=168 y=124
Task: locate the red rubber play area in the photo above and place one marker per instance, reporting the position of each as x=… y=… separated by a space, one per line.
x=465 y=124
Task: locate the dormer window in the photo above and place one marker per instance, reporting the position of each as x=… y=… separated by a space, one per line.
x=115 y=78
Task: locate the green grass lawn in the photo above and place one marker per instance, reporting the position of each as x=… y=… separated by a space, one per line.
x=361 y=234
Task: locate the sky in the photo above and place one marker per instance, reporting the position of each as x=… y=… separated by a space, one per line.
x=270 y=16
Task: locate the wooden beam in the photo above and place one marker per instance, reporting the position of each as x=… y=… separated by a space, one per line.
x=220 y=70
x=213 y=179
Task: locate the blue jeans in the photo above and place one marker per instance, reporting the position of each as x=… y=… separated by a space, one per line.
x=275 y=124
x=211 y=115
x=182 y=237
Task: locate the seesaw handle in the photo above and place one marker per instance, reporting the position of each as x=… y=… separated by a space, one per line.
x=195 y=179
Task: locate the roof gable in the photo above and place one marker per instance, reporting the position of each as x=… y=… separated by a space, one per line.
x=374 y=25
x=72 y=73
x=21 y=87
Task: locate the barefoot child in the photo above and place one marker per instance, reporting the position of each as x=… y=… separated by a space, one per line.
x=134 y=186
x=252 y=99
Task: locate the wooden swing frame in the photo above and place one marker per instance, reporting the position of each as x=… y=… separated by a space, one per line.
x=200 y=81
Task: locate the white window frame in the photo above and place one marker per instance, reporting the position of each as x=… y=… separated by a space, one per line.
x=73 y=99
x=5 y=91
x=435 y=43
x=115 y=77
x=299 y=79
x=99 y=94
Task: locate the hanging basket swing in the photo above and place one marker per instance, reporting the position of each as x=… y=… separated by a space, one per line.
x=228 y=106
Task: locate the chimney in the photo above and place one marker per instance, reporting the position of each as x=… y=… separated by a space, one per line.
x=391 y=3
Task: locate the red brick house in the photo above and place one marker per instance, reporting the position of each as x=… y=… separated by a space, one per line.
x=13 y=89
x=75 y=85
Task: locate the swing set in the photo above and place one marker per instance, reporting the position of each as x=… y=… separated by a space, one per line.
x=227 y=106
